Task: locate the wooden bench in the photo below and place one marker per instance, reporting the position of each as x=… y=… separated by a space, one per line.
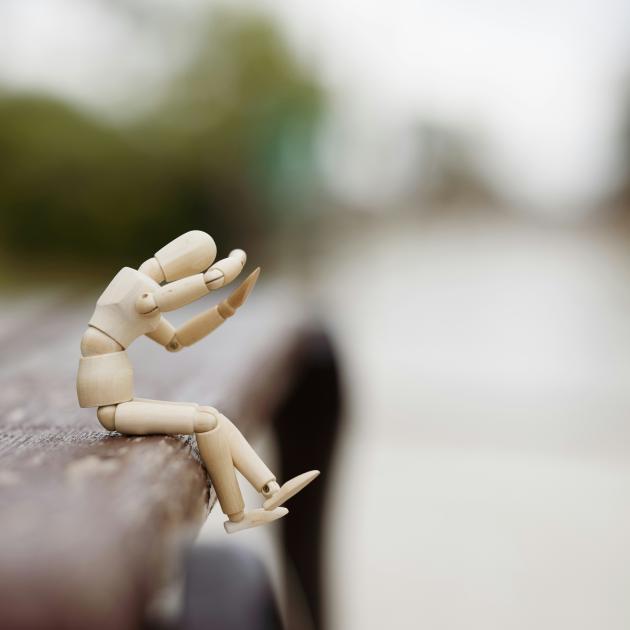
x=92 y=524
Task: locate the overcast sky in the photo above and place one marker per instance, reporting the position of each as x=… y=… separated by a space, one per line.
x=542 y=82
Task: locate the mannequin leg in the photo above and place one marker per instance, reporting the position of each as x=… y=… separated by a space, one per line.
x=215 y=452
x=142 y=417
x=245 y=458
x=249 y=464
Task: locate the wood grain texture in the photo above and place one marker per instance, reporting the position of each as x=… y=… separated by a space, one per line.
x=91 y=522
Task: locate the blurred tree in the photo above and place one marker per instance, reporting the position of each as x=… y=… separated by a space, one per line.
x=71 y=188
x=245 y=113
x=229 y=149
x=618 y=202
x=448 y=169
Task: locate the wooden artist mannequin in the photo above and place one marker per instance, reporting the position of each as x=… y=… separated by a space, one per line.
x=131 y=306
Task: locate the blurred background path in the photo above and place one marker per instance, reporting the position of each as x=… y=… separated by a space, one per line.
x=484 y=480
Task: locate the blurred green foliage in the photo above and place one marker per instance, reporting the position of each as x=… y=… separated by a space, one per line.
x=229 y=149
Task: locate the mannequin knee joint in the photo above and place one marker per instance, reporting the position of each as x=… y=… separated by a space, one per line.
x=207 y=419
x=106 y=416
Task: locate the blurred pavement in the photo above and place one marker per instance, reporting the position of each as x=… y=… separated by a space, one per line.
x=484 y=481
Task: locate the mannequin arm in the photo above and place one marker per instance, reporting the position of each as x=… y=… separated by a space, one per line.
x=203 y=324
x=174 y=295
x=164 y=334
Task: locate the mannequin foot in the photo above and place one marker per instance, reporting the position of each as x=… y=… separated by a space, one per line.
x=289 y=489
x=254 y=518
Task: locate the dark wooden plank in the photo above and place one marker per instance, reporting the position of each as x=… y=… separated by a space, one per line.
x=91 y=522
x=308 y=422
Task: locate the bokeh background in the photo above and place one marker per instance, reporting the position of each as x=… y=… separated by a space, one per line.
x=449 y=183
